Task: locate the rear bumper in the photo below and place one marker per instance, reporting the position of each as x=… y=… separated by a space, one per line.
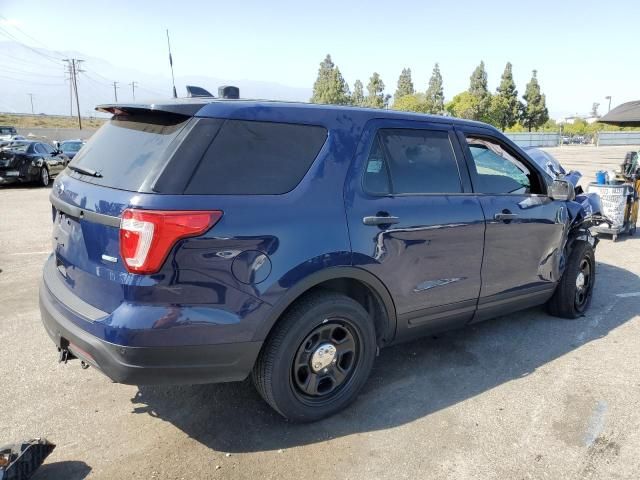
x=147 y=365
x=7 y=176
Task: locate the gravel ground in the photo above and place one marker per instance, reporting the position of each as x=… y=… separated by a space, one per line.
x=522 y=396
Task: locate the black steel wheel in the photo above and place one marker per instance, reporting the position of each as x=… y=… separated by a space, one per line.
x=325 y=361
x=317 y=358
x=583 y=284
x=572 y=296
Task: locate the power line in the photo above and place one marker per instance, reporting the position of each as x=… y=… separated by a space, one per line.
x=93 y=80
x=30 y=82
x=25 y=72
x=6 y=34
x=27 y=62
x=15 y=27
x=150 y=90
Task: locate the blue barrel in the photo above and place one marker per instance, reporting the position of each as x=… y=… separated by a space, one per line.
x=601 y=177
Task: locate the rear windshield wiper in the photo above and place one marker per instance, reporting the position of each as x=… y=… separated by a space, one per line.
x=85 y=171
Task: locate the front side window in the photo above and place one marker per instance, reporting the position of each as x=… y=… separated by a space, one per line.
x=497 y=171
x=412 y=162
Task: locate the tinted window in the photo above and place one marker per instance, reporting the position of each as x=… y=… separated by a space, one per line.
x=70 y=147
x=256 y=158
x=130 y=150
x=48 y=148
x=497 y=170
x=39 y=148
x=419 y=161
x=376 y=177
x=21 y=147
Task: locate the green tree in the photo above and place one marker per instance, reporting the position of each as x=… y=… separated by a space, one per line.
x=330 y=87
x=376 y=97
x=411 y=103
x=534 y=112
x=505 y=106
x=405 y=85
x=357 y=98
x=479 y=90
x=464 y=105
x=435 y=93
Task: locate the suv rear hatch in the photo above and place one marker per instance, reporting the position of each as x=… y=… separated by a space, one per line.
x=165 y=159
x=115 y=170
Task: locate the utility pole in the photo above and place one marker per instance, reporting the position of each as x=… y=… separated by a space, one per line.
x=115 y=93
x=133 y=89
x=31 y=97
x=70 y=90
x=74 y=69
x=173 y=79
x=608 y=97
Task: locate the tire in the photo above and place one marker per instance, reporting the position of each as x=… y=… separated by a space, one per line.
x=44 y=178
x=570 y=300
x=291 y=373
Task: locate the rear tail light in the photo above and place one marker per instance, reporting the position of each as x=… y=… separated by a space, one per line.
x=147 y=236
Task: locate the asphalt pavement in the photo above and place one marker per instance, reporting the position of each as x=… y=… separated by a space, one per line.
x=521 y=396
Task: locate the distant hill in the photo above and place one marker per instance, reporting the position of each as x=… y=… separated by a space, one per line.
x=41 y=72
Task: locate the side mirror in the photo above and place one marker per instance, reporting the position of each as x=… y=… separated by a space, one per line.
x=561 y=190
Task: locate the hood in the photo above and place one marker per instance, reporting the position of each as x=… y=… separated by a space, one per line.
x=573 y=177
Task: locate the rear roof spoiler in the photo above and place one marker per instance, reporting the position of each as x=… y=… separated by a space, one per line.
x=187 y=107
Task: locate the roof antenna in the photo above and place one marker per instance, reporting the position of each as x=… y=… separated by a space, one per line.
x=173 y=79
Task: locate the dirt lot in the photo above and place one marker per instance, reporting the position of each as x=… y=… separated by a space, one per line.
x=522 y=396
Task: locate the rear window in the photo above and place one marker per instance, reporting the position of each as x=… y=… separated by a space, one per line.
x=129 y=151
x=256 y=158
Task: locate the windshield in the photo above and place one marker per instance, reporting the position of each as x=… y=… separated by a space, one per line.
x=7 y=131
x=70 y=146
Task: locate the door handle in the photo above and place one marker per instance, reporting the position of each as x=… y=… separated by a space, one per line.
x=380 y=220
x=505 y=216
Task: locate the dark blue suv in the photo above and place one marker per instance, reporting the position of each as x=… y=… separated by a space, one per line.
x=205 y=240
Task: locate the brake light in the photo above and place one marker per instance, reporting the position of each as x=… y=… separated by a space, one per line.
x=147 y=236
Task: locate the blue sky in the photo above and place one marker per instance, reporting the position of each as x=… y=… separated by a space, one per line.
x=583 y=50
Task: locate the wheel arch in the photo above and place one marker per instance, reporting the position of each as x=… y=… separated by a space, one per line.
x=354 y=282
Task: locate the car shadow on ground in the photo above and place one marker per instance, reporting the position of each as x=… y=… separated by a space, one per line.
x=26 y=186
x=409 y=381
x=69 y=470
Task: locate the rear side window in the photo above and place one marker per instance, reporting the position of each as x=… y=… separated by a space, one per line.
x=404 y=161
x=130 y=149
x=256 y=158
